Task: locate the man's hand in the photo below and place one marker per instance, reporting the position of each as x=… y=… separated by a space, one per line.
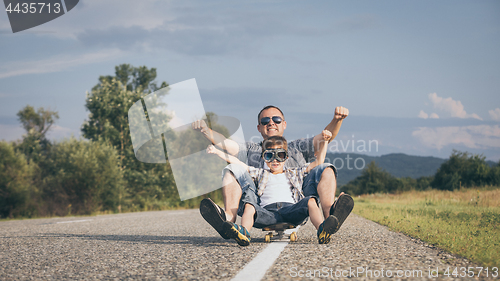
x=326 y=135
x=201 y=126
x=340 y=113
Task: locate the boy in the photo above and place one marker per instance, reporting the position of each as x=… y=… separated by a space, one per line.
x=278 y=195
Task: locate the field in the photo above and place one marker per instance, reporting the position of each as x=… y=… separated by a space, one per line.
x=464 y=222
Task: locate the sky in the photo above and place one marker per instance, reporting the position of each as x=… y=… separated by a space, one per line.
x=418 y=77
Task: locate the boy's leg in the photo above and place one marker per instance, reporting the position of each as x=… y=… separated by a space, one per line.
x=314 y=212
x=321 y=182
x=240 y=232
x=247 y=219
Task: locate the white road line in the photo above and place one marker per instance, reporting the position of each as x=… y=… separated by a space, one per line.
x=257 y=268
x=72 y=221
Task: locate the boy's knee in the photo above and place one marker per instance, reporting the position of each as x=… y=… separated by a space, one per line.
x=312 y=201
x=249 y=208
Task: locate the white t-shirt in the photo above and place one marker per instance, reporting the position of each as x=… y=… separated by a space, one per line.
x=278 y=189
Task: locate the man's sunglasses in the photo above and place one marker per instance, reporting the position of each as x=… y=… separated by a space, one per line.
x=279 y=154
x=276 y=119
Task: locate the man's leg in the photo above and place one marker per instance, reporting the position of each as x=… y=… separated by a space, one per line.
x=235 y=180
x=231 y=192
x=322 y=182
x=326 y=189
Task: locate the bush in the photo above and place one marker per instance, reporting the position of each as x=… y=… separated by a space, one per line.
x=462 y=170
x=15 y=180
x=82 y=177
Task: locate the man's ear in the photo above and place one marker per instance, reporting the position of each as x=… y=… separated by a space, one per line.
x=258 y=128
x=284 y=124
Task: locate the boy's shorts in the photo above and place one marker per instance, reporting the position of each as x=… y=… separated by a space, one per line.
x=278 y=212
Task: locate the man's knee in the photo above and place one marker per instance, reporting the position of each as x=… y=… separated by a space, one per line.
x=228 y=178
x=328 y=174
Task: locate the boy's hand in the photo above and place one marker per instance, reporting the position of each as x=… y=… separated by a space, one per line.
x=327 y=135
x=200 y=125
x=211 y=149
x=340 y=113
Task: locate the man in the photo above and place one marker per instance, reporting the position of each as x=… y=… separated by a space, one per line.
x=321 y=181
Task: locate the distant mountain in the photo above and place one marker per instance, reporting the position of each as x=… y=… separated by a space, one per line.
x=350 y=165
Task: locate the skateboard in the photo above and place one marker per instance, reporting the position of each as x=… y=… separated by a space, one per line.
x=280 y=230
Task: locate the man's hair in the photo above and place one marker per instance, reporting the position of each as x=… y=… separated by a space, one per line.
x=274 y=141
x=267 y=107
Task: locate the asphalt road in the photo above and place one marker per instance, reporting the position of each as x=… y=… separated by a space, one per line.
x=180 y=245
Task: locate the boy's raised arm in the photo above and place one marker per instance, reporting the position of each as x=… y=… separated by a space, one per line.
x=226 y=157
x=323 y=147
x=334 y=126
x=216 y=138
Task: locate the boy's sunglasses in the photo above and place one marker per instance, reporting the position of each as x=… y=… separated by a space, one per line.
x=279 y=154
x=276 y=119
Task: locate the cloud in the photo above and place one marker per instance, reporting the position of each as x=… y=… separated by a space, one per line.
x=55 y=64
x=479 y=136
x=423 y=115
x=203 y=29
x=448 y=105
x=495 y=114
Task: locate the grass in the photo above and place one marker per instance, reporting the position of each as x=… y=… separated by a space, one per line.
x=464 y=222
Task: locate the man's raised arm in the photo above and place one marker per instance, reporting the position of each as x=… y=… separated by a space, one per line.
x=215 y=138
x=340 y=114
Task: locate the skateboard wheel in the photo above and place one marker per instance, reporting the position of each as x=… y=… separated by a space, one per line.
x=267 y=238
x=293 y=237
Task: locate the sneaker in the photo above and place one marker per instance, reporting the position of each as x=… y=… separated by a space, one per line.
x=237 y=232
x=326 y=229
x=342 y=208
x=214 y=215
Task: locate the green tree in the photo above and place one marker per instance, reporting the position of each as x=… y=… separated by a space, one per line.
x=15 y=182
x=494 y=175
x=37 y=124
x=462 y=170
x=373 y=180
x=81 y=177
x=38 y=121
x=108 y=104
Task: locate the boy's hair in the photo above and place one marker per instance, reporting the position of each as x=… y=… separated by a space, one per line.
x=267 y=107
x=275 y=141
